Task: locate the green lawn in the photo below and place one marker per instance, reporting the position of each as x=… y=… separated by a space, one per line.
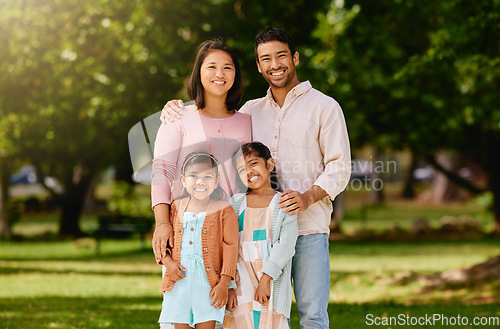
x=46 y=283
x=63 y=284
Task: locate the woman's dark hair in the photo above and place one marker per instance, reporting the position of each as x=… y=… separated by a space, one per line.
x=195 y=88
x=203 y=157
x=274 y=34
x=259 y=150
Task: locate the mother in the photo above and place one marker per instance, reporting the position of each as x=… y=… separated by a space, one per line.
x=211 y=125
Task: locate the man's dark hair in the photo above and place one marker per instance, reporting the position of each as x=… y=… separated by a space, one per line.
x=274 y=34
x=195 y=88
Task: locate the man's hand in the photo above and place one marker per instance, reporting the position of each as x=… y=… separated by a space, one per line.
x=163 y=237
x=173 y=269
x=232 y=300
x=171 y=110
x=263 y=291
x=294 y=202
x=220 y=292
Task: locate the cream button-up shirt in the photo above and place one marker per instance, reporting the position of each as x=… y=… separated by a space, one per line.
x=309 y=143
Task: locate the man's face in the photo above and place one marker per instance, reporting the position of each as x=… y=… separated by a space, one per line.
x=276 y=63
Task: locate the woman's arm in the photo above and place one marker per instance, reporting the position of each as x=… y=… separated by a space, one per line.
x=163 y=232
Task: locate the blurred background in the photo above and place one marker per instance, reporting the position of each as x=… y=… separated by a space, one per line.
x=417 y=81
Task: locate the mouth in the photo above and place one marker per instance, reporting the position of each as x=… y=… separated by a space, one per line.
x=219 y=82
x=200 y=189
x=253 y=178
x=277 y=74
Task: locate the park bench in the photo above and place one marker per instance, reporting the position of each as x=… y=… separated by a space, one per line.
x=116 y=227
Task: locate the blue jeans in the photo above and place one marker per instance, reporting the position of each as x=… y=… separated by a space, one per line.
x=311 y=280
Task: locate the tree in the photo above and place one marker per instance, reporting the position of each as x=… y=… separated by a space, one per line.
x=422 y=76
x=72 y=68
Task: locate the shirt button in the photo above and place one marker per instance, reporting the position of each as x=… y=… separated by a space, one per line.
x=205 y=249
x=204 y=231
x=190 y=242
x=264 y=310
x=275 y=137
x=208 y=269
x=192 y=229
x=194 y=215
x=258 y=262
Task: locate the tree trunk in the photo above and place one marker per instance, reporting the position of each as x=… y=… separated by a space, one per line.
x=442 y=189
x=377 y=195
x=338 y=213
x=73 y=203
x=494 y=183
x=408 y=190
x=5 y=225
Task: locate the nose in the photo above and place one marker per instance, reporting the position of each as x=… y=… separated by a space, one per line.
x=219 y=73
x=199 y=181
x=275 y=63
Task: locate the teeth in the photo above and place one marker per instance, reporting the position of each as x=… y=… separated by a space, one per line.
x=276 y=74
x=253 y=178
x=200 y=189
x=220 y=83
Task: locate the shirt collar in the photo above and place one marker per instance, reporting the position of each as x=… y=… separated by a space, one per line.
x=296 y=91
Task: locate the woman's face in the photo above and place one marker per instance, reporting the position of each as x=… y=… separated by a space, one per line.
x=217 y=73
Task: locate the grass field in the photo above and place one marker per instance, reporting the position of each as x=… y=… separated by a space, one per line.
x=46 y=283
x=63 y=284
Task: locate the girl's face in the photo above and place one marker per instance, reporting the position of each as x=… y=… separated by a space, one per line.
x=255 y=172
x=217 y=73
x=200 y=180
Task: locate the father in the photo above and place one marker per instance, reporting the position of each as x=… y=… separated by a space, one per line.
x=307 y=135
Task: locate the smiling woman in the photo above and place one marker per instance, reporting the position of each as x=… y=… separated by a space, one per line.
x=192 y=176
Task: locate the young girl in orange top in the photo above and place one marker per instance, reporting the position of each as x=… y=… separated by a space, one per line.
x=200 y=266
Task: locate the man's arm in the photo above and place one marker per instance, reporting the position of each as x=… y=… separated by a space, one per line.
x=334 y=145
x=172 y=110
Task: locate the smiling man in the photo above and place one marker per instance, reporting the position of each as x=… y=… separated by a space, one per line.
x=307 y=135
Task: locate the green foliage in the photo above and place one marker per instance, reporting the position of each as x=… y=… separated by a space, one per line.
x=126 y=200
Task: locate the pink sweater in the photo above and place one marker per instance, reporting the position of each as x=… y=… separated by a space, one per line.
x=196 y=132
